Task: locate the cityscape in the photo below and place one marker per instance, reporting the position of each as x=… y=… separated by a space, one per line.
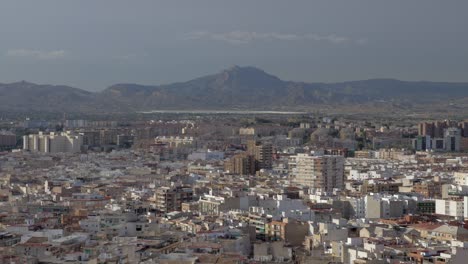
x=239 y=166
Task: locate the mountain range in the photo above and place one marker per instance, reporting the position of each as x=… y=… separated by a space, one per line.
x=235 y=88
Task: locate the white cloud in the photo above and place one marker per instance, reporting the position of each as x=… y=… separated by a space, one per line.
x=362 y=41
x=244 y=37
x=37 y=54
x=332 y=38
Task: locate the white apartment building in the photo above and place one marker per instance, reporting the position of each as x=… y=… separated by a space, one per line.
x=388 y=206
x=320 y=172
x=465 y=207
x=53 y=142
x=282 y=207
x=454 y=208
x=358 y=205
x=366 y=175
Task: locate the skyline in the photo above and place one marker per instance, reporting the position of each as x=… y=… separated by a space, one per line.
x=94 y=45
x=235 y=132
x=259 y=72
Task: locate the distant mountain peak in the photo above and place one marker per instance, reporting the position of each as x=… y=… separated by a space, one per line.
x=248 y=75
x=234 y=87
x=245 y=69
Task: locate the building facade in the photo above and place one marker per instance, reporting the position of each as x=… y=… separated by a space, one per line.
x=169 y=199
x=262 y=152
x=53 y=142
x=320 y=172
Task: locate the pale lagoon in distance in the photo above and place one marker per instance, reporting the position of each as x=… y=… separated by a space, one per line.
x=241 y=112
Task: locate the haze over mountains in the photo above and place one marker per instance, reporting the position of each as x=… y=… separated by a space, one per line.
x=234 y=88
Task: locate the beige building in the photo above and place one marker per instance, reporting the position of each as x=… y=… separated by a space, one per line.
x=320 y=172
x=242 y=164
x=392 y=154
x=250 y=131
x=290 y=231
x=53 y=142
x=262 y=153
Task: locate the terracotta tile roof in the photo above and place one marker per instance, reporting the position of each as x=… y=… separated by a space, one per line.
x=426 y=226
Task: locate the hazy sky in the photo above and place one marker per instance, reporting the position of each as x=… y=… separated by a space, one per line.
x=92 y=44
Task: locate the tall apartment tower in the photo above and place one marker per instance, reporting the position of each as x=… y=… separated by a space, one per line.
x=242 y=164
x=439 y=128
x=435 y=129
x=464 y=128
x=426 y=129
x=262 y=153
x=323 y=173
x=7 y=139
x=452 y=138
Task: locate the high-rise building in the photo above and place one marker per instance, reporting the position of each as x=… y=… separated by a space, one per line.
x=439 y=127
x=452 y=138
x=422 y=143
x=440 y=136
x=53 y=142
x=435 y=129
x=262 y=152
x=320 y=172
x=243 y=164
x=91 y=138
x=426 y=129
x=464 y=128
x=7 y=139
x=108 y=136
